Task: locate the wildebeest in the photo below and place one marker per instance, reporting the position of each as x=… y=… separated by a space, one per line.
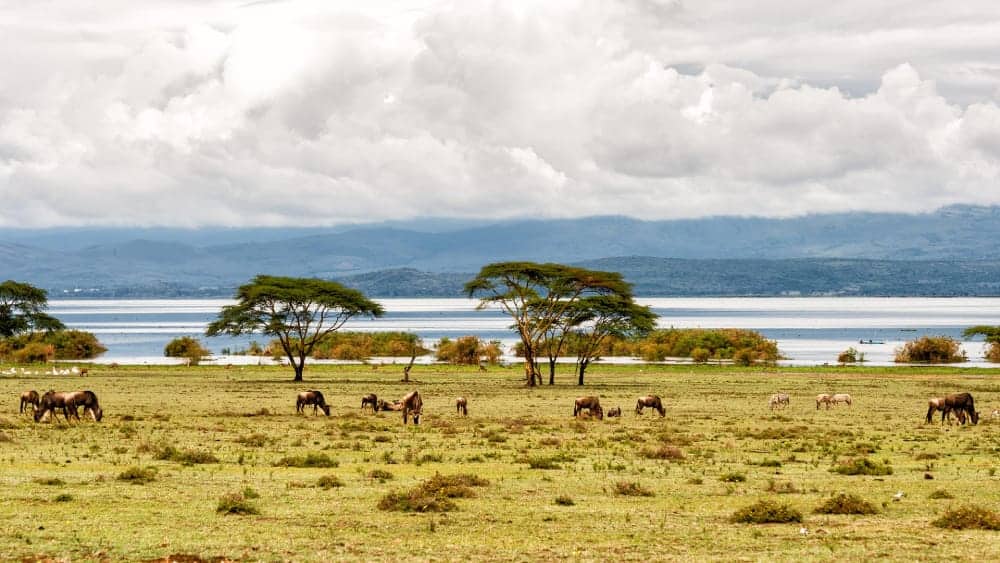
x=87 y=400
x=314 y=398
x=778 y=400
x=591 y=403
x=49 y=402
x=823 y=398
x=384 y=405
x=651 y=401
x=615 y=411
x=412 y=406
x=961 y=403
x=935 y=404
x=29 y=398
x=462 y=406
x=370 y=400
x=840 y=398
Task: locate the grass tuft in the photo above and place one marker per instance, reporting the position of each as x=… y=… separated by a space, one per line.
x=862 y=466
x=766 y=512
x=733 y=477
x=844 y=503
x=138 y=475
x=54 y=481
x=380 y=474
x=329 y=482
x=309 y=460
x=186 y=457
x=236 y=503
x=940 y=494
x=662 y=452
x=564 y=500
x=631 y=489
x=969 y=517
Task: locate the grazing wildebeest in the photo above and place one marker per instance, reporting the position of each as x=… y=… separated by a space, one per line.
x=462 y=406
x=87 y=400
x=371 y=400
x=49 y=402
x=387 y=406
x=962 y=404
x=314 y=398
x=840 y=398
x=651 y=401
x=935 y=404
x=616 y=411
x=592 y=404
x=823 y=398
x=412 y=406
x=29 y=398
x=778 y=400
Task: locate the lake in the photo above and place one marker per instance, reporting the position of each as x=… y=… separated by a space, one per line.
x=808 y=330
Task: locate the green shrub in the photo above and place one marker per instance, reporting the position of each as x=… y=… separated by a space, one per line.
x=468 y=350
x=187 y=457
x=363 y=345
x=766 y=512
x=700 y=355
x=453 y=486
x=851 y=356
x=186 y=347
x=45 y=346
x=34 y=353
x=138 y=475
x=541 y=462
x=414 y=501
x=380 y=474
x=862 y=466
x=846 y=504
x=309 y=460
x=236 y=503
x=733 y=477
x=931 y=350
x=969 y=518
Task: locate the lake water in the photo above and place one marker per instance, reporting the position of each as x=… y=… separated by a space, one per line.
x=808 y=330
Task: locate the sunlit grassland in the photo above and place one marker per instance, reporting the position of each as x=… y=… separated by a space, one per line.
x=718 y=449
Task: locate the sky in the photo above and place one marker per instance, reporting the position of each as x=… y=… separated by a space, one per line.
x=193 y=113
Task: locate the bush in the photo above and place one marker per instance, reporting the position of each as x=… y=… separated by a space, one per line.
x=931 y=350
x=64 y=497
x=732 y=478
x=851 y=356
x=309 y=460
x=862 y=466
x=940 y=494
x=138 y=475
x=700 y=355
x=434 y=494
x=187 y=457
x=468 y=350
x=631 y=489
x=992 y=353
x=186 y=347
x=969 y=518
x=380 y=474
x=846 y=504
x=564 y=500
x=719 y=343
x=236 y=503
x=662 y=452
x=329 y=482
x=58 y=345
x=51 y=481
x=766 y=512
x=34 y=353
x=541 y=462
x=363 y=345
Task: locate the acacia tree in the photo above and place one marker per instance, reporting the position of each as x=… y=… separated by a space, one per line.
x=298 y=311
x=601 y=316
x=537 y=296
x=991 y=334
x=22 y=309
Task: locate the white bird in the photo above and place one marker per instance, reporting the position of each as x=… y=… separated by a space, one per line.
x=898 y=496
x=804 y=531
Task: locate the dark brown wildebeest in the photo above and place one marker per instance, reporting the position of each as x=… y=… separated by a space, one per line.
x=962 y=404
x=591 y=404
x=314 y=398
x=371 y=400
x=29 y=398
x=616 y=411
x=49 y=402
x=462 y=406
x=87 y=400
x=413 y=405
x=650 y=401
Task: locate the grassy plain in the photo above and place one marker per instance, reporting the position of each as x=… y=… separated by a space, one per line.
x=718 y=449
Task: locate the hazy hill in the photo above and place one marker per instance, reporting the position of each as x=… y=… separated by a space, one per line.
x=138 y=261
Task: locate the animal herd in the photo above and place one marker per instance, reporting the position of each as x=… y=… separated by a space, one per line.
x=411 y=405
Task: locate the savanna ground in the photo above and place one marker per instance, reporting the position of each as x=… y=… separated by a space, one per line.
x=720 y=448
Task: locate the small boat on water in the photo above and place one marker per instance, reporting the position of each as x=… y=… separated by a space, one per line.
x=870 y=341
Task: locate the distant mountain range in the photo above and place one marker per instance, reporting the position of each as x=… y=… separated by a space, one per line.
x=948 y=252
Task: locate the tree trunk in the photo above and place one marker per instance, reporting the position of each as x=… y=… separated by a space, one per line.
x=529 y=366
x=298 y=370
x=552 y=371
x=583 y=368
x=406 y=370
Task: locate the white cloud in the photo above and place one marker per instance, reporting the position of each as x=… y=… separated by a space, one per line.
x=309 y=112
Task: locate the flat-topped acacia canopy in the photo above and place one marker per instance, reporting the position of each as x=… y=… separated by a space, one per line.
x=298 y=311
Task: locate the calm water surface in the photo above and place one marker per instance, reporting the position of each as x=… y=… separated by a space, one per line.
x=808 y=330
